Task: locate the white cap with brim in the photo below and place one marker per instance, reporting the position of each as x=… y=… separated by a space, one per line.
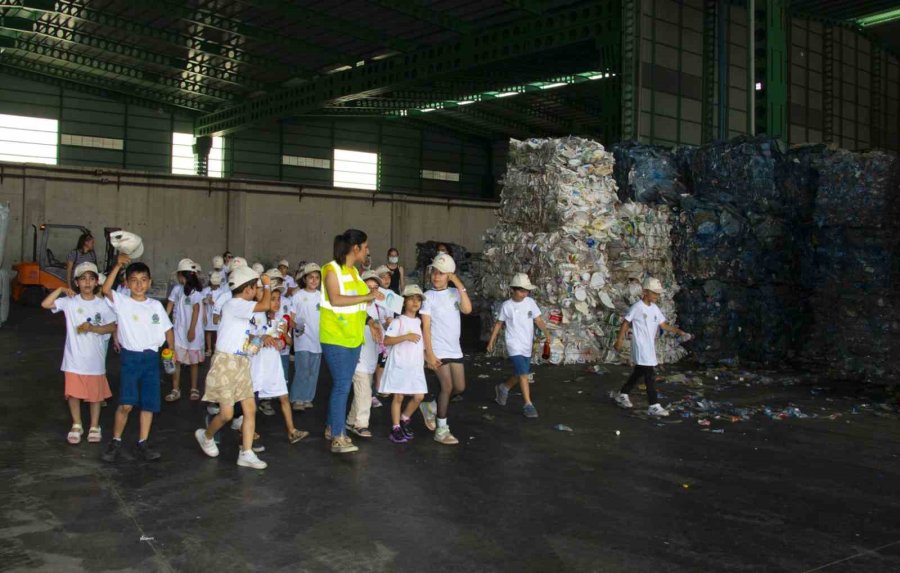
x=310 y=268
x=372 y=275
x=522 y=281
x=187 y=266
x=258 y=268
x=652 y=285
x=218 y=262
x=274 y=274
x=283 y=263
x=86 y=268
x=444 y=263
x=127 y=243
x=412 y=290
x=382 y=270
x=215 y=279
x=238 y=262
x=240 y=276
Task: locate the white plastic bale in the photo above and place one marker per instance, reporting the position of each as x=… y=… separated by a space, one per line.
x=587 y=253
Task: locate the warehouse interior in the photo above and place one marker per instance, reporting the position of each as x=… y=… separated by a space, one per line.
x=744 y=152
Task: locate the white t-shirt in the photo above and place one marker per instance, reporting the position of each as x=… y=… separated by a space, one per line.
x=182 y=312
x=84 y=353
x=220 y=297
x=519 y=319
x=123 y=290
x=290 y=282
x=443 y=308
x=368 y=354
x=234 y=326
x=645 y=320
x=142 y=324
x=305 y=305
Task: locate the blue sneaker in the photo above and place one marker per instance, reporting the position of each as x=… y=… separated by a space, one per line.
x=530 y=411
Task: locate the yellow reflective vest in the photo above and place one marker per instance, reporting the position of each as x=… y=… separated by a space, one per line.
x=342 y=325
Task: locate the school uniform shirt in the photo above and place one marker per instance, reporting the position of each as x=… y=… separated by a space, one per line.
x=443 y=308
x=206 y=309
x=645 y=320
x=220 y=297
x=305 y=306
x=142 y=324
x=234 y=326
x=404 y=371
x=368 y=354
x=182 y=312
x=84 y=353
x=519 y=319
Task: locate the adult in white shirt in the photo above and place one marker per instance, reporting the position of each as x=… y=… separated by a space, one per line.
x=441 y=327
x=644 y=319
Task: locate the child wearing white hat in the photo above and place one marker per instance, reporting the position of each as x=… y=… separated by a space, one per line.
x=373 y=337
x=284 y=266
x=519 y=314
x=89 y=324
x=185 y=306
x=210 y=292
x=644 y=319
x=307 y=349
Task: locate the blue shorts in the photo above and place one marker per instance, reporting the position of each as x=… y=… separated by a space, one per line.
x=521 y=365
x=140 y=380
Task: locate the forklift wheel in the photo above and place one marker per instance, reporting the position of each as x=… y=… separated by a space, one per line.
x=33 y=296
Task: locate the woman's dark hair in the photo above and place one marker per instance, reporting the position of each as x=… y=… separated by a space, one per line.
x=135 y=268
x=227 y=254
x=237 y=291
x=82 y=240
x=439 y=245
x=393 y=250
x=344 y=243
x=191 y=282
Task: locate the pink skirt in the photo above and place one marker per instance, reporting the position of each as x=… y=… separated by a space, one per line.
x=189 y=356
x=87 y=387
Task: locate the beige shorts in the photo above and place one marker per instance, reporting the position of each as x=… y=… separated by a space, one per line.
x=228 y=381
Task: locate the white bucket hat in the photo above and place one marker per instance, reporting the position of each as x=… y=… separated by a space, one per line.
x=382 y=270
x=412 y=290
x=218 y=262
x=374 y=275
x=653 y=285
x=215 y=278
x=238 y=262
x=275 y=274
x=444 y=263
x=86 y=268
x=283 y=263
x=187 y=266
x=521 y=280
x=127 y=243
x=310 y=268
x=241 y=275
x=258 y=268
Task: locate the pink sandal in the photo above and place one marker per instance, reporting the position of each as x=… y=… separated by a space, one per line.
x=74 y=435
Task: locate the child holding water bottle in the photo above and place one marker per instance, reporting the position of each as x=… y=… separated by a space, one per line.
x=185 y=304
x=307 y=350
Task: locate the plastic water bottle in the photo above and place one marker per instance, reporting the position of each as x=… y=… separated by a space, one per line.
x=168 y=360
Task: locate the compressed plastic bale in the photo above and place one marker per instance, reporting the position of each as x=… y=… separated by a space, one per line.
x=857 y=189
x=647 y=173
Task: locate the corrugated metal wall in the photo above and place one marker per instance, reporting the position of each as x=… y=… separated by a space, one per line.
x=404 y=151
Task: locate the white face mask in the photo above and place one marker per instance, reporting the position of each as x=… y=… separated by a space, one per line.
x=393 y=260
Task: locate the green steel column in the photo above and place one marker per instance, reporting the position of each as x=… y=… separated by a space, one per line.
x=631 y=68
x=776 y=68
x=708 y=71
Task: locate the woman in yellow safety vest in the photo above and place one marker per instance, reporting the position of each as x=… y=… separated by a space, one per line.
x=342 y=320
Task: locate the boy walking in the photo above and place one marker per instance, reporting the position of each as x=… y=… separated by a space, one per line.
x=645 y=319
x=143 y=328
x=519 y=314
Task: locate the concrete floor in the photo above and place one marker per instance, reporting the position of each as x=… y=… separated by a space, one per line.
x=516 y=495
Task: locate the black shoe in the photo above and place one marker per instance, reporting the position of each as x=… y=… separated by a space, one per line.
x=112 y=451
x=146 y=453
x=457 y=398
x=406 y=428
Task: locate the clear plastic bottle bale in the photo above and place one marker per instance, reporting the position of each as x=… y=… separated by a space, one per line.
x=647 y=173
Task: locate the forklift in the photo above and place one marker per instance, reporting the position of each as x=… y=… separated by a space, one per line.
x=46 y=272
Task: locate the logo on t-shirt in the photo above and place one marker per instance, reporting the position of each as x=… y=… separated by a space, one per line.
x=187 y=301
x=98 y=319
x=317 y=307
x=136 y=318
x=154 y=318
x=530 y=314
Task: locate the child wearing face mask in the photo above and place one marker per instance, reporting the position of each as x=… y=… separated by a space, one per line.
x=398 y=276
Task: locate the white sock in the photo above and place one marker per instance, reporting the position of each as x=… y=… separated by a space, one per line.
x=442 y=422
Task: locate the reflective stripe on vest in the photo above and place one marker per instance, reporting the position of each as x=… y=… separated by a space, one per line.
x=342 y=278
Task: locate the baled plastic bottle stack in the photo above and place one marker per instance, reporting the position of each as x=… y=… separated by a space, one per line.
x=562 y=223
x=856 y=327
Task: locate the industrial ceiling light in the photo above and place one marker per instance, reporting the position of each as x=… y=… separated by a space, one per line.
x=880 y=18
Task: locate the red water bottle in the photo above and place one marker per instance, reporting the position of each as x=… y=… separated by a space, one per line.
x=546 y=354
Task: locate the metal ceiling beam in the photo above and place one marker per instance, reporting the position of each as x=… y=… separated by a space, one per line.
x=595 y=22
x=530 y=6
x=450 y=125
x=320 y=19
x=129 y=74
x=420 y=11
x=94 y=82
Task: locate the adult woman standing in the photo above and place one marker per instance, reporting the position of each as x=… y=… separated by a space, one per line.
x=82 y=253
x=398 y=276
x=342 y=318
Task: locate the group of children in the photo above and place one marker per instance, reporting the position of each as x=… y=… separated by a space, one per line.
x=248 y=321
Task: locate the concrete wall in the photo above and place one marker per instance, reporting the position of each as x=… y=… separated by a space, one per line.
x=199 y=218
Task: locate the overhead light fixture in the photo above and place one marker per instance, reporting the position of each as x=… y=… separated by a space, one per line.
x=553 y=85
x=465 y=102
x=507 y=94
x=427 y=109
x=880 y=18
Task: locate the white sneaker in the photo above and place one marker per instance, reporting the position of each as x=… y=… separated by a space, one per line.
x=236 y=423
x=443 y=436
x=622 y=400
x=657 y=410
x=209 y=446
x=250 y=460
